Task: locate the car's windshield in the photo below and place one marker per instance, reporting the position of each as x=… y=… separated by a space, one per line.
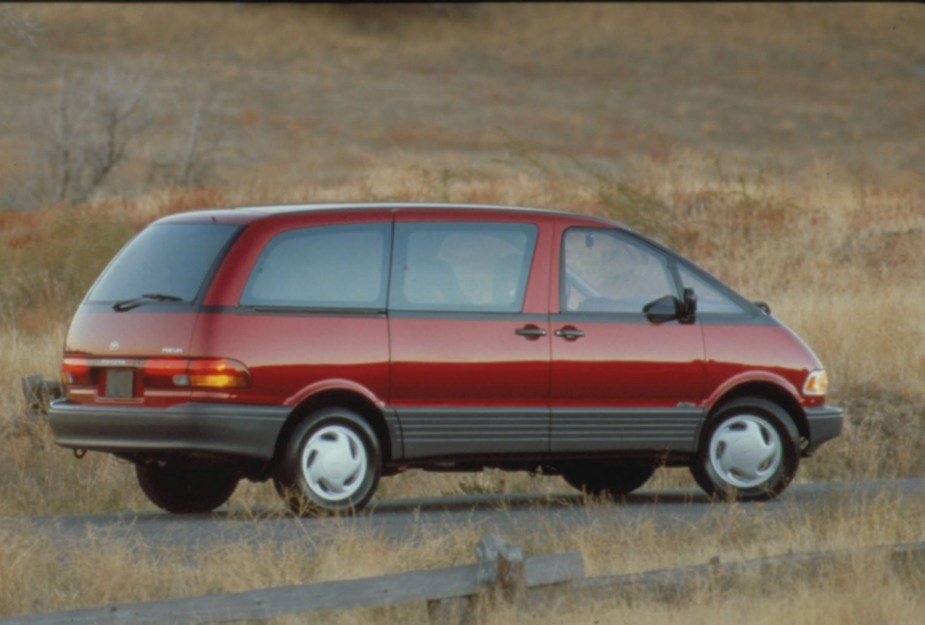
x=165 y=262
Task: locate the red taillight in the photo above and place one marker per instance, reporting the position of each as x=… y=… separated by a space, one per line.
x=75 y=371
x=164 y=373
x=213 y=373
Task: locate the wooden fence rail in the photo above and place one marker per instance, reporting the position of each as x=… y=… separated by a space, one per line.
x=452 y=593
x=503 y=568
x=676 y=584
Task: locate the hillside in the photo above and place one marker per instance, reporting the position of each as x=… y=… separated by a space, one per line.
x=777 y=145
x=294 y=95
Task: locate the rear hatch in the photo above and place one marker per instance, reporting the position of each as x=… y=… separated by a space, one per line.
x=129 y=340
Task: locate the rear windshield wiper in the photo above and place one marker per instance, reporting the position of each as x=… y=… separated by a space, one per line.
x=128 y=304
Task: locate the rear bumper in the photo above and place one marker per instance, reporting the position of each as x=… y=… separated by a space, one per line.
x=825 y=423
x=243 y=431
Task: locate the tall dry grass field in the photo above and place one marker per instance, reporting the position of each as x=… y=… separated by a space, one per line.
x=777 y=146
x=842 y=266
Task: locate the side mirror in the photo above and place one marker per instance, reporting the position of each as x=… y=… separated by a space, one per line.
x=664 y=309
x=668 y=308
x=689 y=307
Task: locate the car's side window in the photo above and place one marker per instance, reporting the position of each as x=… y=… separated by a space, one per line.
x=323 y=267
x=709 y=298
x=603 y=271
x=458 y=266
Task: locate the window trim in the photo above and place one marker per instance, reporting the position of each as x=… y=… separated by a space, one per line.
x=385 y=228
x=668 y=261
x=398 y=303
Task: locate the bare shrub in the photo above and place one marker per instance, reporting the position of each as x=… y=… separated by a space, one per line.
x=104 y=120
x=97 y=117
x=199 y=149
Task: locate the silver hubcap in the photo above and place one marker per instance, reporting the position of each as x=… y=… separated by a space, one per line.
x=334 y=463
x=745 y=451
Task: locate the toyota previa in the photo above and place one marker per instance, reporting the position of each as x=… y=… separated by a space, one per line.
x=324 y=347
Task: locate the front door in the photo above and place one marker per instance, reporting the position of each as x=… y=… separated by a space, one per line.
x=619 y=381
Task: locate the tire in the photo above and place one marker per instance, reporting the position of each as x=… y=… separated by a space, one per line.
x=613 y=478
x=749 y=451
x=182 y=490
x=331 y=463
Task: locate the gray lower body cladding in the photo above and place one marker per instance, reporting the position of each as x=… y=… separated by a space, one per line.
x=243 y=431
x=417 y=435
x=458 y=433
x=825 y=423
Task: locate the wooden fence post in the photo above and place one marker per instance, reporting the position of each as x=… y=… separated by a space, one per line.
x=510 y=571
x=501 y=573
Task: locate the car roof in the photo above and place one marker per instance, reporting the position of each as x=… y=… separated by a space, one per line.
x=245 y=214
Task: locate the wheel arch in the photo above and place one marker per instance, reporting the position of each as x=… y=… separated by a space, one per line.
x=342 y=398
x=770 y=392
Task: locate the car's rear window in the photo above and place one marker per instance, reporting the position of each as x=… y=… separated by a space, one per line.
x=167 y=259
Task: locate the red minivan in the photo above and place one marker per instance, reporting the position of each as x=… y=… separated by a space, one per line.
x=326 y=346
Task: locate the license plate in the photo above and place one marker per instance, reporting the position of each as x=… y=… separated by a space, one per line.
x=120 y=383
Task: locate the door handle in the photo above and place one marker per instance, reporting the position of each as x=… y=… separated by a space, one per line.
x=530 y=331
x=570 y=333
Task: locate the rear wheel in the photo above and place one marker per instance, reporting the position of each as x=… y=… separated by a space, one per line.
x=331 y=463
x=180 y=489
x=607 y=477
x=749 y=451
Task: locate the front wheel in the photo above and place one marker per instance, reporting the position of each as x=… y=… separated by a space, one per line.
x=607 y=477
x=183 y=490
x=749 y=451
x=331 y=463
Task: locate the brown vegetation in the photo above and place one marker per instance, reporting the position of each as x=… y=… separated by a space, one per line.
x=37 y=575
x=778 y=146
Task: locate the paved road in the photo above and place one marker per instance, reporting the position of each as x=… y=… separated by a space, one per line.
x=402 y=520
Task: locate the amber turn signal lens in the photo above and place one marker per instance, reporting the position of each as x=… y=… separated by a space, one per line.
x=817 y=383
x=218 y=374
x=210 y=373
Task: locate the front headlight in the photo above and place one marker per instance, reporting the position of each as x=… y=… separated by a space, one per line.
x=817 y=383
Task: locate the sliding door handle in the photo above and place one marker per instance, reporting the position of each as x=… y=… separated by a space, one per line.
x=570 y=333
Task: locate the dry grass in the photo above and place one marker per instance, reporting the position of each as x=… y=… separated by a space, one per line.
x=37 y=575
x=322 y=93
x=778 y=146
x=837 y=264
